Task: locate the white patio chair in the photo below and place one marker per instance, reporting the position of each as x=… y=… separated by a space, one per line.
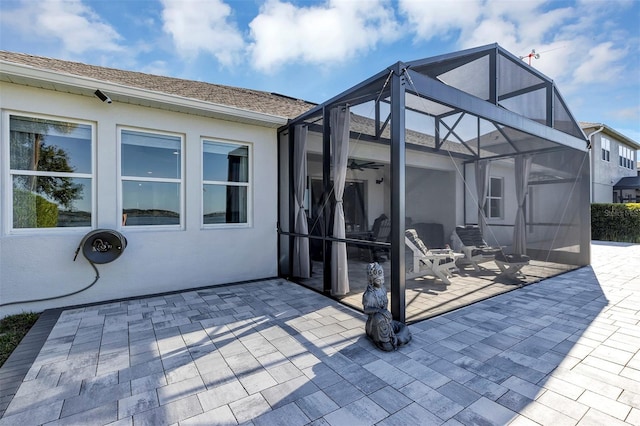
x=440 y=263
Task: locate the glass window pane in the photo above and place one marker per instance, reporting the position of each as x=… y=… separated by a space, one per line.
x=225 y=162
x=150 y=203
x=496 y=187
x=224 y=204
x=49 y=202
x=48 y=145
x=495 y=208
x=151 y=155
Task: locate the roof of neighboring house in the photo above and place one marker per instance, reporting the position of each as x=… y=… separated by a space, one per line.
x=629 y=182
x=244 y=99
x=608 y=130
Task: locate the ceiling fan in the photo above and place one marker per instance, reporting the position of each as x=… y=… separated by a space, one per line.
x=354 y=165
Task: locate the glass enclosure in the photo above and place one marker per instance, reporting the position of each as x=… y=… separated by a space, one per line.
x=404 y=167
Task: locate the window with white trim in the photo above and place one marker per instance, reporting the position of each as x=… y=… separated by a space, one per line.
x=50 y=173
x=494 y=204
x=226 y=183
x=151 y=177
x=606 y=148
x=625 y=157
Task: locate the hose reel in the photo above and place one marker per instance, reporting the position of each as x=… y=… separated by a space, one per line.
x=102 y=246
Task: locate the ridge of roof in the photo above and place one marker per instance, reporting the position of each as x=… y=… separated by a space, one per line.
x=610 y=130
x=243 y=98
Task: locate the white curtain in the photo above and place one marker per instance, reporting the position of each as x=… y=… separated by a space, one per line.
x=522 y=171
x=482 y=189
x=300 y=245
x=340 y=151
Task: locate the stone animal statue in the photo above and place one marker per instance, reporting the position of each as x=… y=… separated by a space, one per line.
x=386 y=333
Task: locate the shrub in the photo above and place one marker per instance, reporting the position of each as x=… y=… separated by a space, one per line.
x=616 y=222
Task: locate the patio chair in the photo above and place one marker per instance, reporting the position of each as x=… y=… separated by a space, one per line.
x=380 y=233
x=440 y=263
x=469 y=241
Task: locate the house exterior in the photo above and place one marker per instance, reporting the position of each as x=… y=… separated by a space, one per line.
x=613 y=165
x=185 y=170
x=204 y=184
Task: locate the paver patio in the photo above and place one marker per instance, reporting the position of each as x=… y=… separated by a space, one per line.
x=562 y=351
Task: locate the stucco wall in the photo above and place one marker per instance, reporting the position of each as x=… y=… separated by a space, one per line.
x=605 y=174
x=40 y=263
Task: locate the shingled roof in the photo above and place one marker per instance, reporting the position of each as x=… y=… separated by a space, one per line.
x=246 y=99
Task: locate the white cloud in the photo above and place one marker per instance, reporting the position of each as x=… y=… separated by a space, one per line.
x=331 y=32
x=439 y=19
x=74 y=24
x=197 y=26
x=600 y=64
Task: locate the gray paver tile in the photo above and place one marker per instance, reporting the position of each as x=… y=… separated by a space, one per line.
x=290 y=391
x=221 y=416
x=138 y=403
x=571 y=408
x=413 y=414
x=390 y=399
x=221 y=395
x=178 y=390
x=170 y=413
x=316 y=405
x=439 y=405
x=360 y=412
x=249 y=407
x=605 y=405
x=289 y=414
x=343 y=393
x=42 y=413
x=103 y=414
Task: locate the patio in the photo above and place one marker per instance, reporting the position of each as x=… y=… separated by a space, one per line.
x=565 y=350
x=427 y=296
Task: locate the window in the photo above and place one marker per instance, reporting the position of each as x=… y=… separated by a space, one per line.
x=625 y=157
x=151 y=173
x=50 y=168
x=493 y=206
x=606 y=149
x=225 y=183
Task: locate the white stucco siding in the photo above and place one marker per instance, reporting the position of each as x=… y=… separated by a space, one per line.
x=39 y=263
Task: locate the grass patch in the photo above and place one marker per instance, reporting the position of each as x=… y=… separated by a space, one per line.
x=12 y=329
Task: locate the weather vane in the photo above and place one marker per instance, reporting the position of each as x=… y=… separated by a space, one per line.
x=533 y=54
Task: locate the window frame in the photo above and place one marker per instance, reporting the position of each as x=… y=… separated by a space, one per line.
x=125 y=178
x=248 y=184
x=487 y=206
x=8 y=175
x=605 y=145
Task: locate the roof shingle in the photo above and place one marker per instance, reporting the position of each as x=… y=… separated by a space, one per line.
x=247 y=99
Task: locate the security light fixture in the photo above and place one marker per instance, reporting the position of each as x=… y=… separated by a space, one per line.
x=102 y=96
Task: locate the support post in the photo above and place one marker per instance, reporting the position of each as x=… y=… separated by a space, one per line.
x=398 y=273
x=327 y=202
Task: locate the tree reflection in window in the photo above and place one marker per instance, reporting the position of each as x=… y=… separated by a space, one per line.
x=50 y=163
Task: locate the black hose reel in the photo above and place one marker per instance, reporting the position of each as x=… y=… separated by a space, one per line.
x=102 y=246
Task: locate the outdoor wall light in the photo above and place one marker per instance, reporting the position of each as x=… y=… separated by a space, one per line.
x=102 y=96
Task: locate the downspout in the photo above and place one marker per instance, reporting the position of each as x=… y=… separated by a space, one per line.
x=592 y=158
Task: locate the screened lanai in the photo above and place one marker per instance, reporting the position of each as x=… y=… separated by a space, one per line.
x=475 y=140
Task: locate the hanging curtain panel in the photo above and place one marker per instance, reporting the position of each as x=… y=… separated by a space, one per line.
x=522 y=170
x=340 y=152
x=482 y=188
x=301 y=244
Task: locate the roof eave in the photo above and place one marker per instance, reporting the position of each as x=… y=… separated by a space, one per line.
x=79 y=85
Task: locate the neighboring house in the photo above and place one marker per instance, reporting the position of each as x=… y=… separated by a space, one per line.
x=614 y=168
x=186 y=170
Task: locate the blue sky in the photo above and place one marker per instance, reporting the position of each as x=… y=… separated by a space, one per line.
x=314 y=50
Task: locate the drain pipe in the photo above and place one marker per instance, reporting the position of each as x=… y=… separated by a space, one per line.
x=591 y=154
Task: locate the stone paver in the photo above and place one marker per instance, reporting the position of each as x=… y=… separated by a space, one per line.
x=565 y=350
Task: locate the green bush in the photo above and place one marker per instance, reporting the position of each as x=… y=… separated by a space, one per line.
x=616 y=222
x=33 y=211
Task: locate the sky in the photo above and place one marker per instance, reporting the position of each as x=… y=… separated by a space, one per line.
x=316 y=49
